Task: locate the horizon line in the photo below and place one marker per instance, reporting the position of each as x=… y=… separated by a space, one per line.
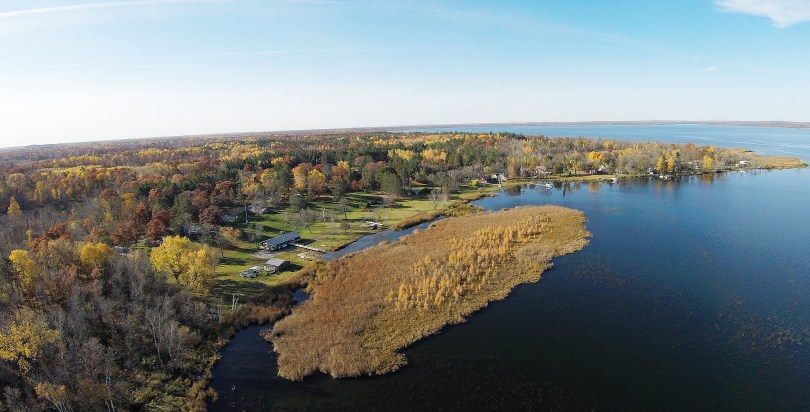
x=782 y=124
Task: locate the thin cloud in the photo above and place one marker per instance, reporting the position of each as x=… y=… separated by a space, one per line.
x=162 y=64
x=714 y=68
x=783 y=13
x=86 y=6
x=47 y=68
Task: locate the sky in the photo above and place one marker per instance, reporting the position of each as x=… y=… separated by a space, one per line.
x=73 y=70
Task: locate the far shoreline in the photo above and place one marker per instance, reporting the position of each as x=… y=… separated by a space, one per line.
x=773 y=124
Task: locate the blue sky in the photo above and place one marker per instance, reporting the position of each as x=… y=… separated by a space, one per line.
x=88 y=70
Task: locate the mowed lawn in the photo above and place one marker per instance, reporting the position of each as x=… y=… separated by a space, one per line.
x=325 y=235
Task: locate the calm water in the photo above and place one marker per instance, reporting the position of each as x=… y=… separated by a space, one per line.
x=766 y=140
x=371 y=240
x=692 y=294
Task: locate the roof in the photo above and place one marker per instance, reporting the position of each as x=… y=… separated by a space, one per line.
x=286 y=237
x=275 y=262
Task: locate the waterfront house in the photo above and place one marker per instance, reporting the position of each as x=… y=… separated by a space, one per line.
x=281 y=241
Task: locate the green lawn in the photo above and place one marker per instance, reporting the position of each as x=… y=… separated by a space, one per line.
x=323 y=235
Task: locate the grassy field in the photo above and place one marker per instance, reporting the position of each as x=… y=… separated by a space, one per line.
x=323 y=235
x=367 y=306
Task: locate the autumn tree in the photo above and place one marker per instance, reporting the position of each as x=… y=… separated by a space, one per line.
x=22 y=340
x=125 y=233
x=198 y=269
x=14 y=207
x=596 y=158
x=231 y=234
x=167 y=257
x=708 y=163
x=94 y=256
x=25 y=268
x=316 y=182
x=672 y=160
x=155 y=229
x=300 y=174
x=661 y=164
x=189 y=263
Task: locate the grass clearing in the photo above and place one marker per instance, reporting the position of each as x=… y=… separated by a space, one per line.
x=325 y=235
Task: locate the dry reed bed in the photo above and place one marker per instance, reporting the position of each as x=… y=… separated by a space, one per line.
x=368 y=305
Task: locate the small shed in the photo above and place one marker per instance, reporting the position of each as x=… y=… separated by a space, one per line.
x=274 y=265
x=251 y=273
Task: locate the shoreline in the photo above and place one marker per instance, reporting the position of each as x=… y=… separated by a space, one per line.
x=461 y=200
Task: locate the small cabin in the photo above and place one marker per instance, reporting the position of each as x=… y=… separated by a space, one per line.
x=281 y=241
x=743 y=163
x=274 y=265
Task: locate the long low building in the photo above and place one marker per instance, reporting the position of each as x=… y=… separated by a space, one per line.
x=281 y=241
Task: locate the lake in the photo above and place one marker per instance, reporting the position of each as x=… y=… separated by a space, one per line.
x=693 y=294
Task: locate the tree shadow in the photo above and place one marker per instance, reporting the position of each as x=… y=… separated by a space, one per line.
x=231 y=261
x=228 y=287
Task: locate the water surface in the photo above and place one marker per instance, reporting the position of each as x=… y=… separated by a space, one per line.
x=766 y=140
x=693 y=294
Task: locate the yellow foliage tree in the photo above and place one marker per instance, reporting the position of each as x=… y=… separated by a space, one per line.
x=672 y=161
x=231 y=234
x=26 y=335
x=14 y=207
x=167 y=257
x=300 y=174
x=198 y=269
x=316 y=181
x=661 y=165
x=434 y=155
x=596 y=158
x=401 y=153
x=93 y=255
x=191 y=264
x=56 y=394
x=343 y=165
x=25 y=268
x=708 y=163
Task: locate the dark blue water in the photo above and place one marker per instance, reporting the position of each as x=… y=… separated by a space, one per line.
x=373 y=239
x=693 y=294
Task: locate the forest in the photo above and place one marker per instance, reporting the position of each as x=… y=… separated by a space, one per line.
x=111 y=252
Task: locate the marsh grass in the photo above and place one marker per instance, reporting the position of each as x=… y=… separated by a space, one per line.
x=368 y=305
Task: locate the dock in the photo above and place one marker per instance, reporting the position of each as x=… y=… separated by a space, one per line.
x=314 y=249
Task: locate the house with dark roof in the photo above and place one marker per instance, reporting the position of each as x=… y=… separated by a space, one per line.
x=281 y=241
